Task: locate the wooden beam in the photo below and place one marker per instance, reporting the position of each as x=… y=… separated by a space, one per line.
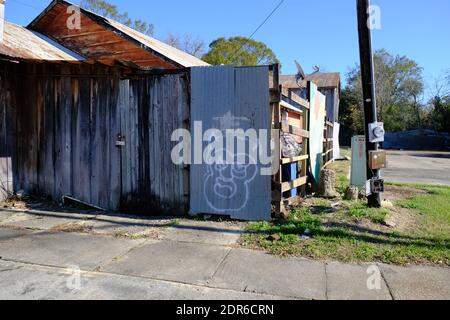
x=290 y=107
x=305 y=164
x=287 y=186
x=276 y=117
x=276 y=75
x=295 y=97
x=295 y=159
x=275 y=96
x=295 y=131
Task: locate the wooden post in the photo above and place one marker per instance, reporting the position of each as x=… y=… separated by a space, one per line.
x=305 y=163
x=275 y=98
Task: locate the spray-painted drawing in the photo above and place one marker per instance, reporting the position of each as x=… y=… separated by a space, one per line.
x=227 y=186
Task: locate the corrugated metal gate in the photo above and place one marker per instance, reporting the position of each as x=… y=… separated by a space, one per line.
x=230 y=98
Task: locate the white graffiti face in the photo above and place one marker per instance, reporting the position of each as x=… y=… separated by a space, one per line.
x=226 y=187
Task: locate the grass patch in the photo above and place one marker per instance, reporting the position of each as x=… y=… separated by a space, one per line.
x=356 y=233
x=299 y=221
x=342 y=185
x=172 y=223
x=360 y=210
x=339 y=240
x=434 y=207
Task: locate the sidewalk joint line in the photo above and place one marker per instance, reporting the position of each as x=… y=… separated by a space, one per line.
x=386 y=282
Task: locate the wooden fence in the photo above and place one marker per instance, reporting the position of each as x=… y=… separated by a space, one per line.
x=286 y=100
x=328 y=143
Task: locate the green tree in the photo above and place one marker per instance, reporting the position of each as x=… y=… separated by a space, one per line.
x=438 y=116
x=399 y=85
x=239 y=51
x=351 y=116
x=111 y=11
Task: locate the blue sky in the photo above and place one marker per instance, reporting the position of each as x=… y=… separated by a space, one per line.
x=319 y=32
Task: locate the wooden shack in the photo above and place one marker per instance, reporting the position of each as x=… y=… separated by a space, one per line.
x=89 y=113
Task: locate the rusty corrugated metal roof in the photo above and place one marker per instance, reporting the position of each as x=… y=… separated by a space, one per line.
x=182 y=58
x=21 y=43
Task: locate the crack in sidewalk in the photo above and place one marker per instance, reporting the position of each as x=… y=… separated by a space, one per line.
x=219 y=266
x=102 y=265
x=386 y=282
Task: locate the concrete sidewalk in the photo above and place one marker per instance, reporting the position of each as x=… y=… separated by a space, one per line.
x=129 y=258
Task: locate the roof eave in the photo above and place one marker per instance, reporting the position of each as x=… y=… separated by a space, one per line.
x=105 y=23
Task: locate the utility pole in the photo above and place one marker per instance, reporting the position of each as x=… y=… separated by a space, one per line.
x=370 y=104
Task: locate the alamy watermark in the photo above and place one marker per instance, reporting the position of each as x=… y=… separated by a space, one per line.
x=229 y=147
x=74 y=20
x=374 y=280
x=73 y=282
x=374 y=21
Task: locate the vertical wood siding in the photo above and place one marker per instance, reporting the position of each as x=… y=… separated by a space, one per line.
x=8 y=126
x=152 y=109
x=59 y=127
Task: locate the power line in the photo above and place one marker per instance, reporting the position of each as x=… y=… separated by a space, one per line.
x=25 y=4
x=267 y=19
x=260 y=26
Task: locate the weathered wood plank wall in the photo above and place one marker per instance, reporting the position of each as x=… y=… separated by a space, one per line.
x=59 y=125
x=64 y=136
x=152 y=108
x=7 y=125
